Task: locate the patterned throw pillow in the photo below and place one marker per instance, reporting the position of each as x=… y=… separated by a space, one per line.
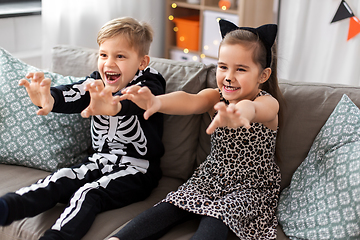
x=323 y=199
x=44 y=142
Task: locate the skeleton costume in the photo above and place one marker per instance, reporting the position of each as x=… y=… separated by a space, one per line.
x=124 y=168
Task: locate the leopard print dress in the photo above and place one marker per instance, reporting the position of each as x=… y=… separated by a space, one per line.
x=239 y=182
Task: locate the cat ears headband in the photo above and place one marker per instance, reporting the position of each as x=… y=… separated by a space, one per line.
x=266 y=33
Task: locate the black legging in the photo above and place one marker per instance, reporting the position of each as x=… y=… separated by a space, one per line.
x=156 y=221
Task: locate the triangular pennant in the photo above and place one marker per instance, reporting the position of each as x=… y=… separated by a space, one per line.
x=354 y=27
x=343 y=12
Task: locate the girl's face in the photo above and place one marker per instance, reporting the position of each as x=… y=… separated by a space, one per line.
x=237 y=75
x=118 y=62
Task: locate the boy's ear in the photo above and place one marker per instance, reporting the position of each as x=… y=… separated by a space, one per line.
x=144 y=62
x=265 y=75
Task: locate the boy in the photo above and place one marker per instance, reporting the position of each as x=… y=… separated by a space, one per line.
x=125 y=166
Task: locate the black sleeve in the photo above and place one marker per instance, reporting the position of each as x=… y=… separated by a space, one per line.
x=72 y=98
x=149 y=78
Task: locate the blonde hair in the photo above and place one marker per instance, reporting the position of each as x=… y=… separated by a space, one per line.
x=138 y=34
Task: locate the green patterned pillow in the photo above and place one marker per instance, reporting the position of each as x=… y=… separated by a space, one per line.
x=44 y=142
x=323 y=198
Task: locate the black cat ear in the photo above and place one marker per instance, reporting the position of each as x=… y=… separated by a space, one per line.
x=267 y=34
x=226 y=27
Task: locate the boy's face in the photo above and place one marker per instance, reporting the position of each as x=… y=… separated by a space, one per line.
x=118 y=62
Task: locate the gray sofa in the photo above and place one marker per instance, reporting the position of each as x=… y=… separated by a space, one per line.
x=185 y=140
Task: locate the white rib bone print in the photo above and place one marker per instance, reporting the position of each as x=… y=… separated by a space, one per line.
x=118 y=131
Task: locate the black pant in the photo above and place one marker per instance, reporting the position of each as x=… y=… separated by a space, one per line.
x=88 y=189
x=156 y=221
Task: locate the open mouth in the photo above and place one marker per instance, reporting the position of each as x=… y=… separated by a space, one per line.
x=112 y=77
x=230 y=88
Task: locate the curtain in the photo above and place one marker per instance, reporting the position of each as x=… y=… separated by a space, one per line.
x=311 y=48
x=77 y=22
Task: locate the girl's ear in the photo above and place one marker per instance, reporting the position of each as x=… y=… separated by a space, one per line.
x=265 y=75
x=144 y=62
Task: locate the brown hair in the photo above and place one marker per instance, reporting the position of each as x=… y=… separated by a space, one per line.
x=138 y=34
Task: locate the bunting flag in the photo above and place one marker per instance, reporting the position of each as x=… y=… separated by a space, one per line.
x=354 y=27
x=345 y=12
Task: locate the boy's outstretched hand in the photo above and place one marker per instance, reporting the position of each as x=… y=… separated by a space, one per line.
x=39 y=91
x=142 y=97
x=228 y=116
x=102 y=102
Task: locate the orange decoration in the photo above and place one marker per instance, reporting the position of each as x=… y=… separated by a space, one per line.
x=187 y=35
x=354 y=27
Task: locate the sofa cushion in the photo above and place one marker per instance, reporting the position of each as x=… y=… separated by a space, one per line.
x=322 y=201
x=14 y=177
x=182 y=133
x=43 y=142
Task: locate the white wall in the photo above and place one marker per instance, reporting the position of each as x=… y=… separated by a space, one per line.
x=77 y=22
x=21 y=36
x=31 y=38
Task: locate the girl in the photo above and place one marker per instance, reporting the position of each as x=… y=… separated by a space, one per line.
x=237 y=186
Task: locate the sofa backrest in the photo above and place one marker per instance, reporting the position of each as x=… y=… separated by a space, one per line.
x=308 y=105
x=185 y=145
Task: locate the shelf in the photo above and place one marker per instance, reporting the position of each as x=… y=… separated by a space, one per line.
x=19 y=9
x=187 y=5
x=217 y=9
x=184 y=4
x=245 y=12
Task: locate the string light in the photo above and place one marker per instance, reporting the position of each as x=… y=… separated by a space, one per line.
x=171 y=17
x=186 y=50
x=225 y=4
x=174 y=5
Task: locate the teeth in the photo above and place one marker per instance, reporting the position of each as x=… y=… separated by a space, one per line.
x=112 y=74
x=231 y=88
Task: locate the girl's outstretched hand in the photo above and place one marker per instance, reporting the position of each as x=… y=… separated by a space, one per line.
x=39 y=91
x=142 y=97
x=229 y=116
x=102 y=101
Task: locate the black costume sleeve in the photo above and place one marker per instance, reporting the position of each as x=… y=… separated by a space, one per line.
x=149 y=78
x=72 y=98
